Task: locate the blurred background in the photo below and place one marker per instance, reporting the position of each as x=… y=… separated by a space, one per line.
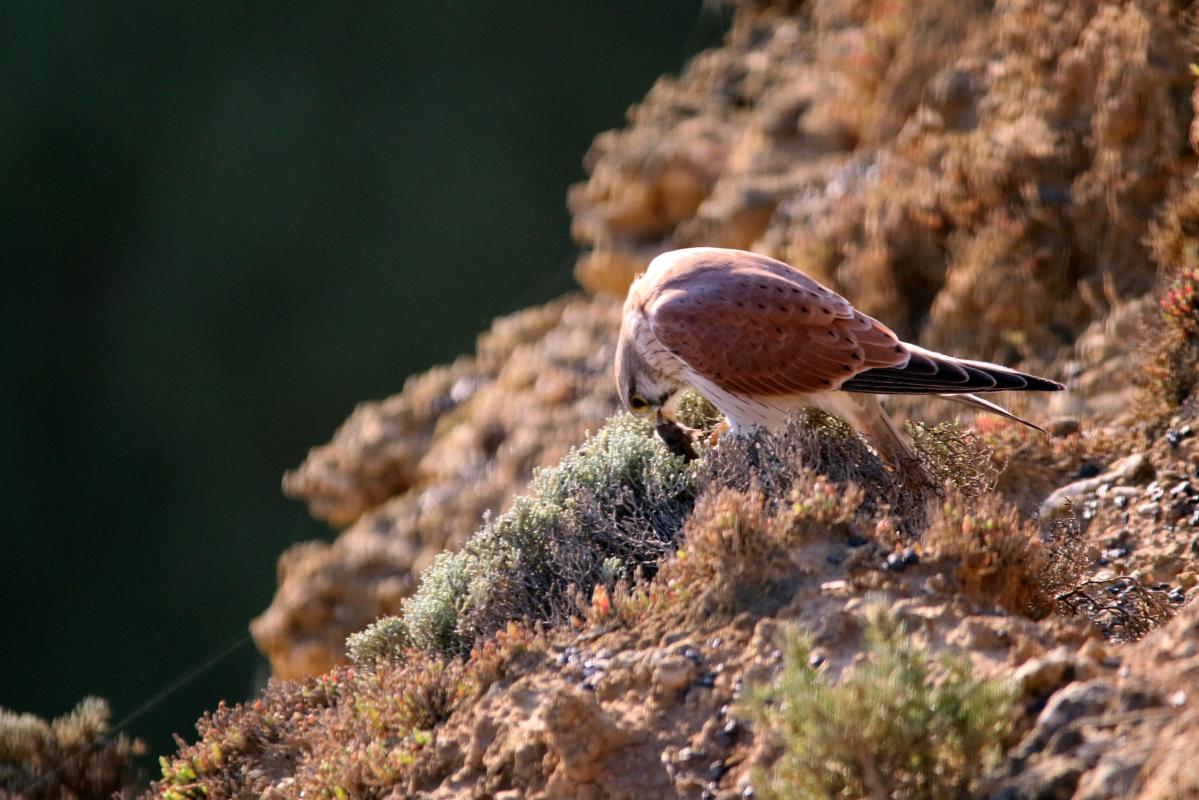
x=224 y=225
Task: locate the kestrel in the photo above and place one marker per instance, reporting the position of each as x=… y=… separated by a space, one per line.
x=762 y=340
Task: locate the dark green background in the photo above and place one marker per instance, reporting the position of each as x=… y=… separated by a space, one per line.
x=222 y=225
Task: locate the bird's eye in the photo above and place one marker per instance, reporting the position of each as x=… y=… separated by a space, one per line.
x=638 y=404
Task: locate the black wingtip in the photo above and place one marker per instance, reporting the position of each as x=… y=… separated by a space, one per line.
x=1036 y=384
x=951 y=378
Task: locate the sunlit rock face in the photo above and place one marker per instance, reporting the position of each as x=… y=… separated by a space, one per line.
x=979 y=175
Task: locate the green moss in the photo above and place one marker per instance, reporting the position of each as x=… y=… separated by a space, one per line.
x=900 y=724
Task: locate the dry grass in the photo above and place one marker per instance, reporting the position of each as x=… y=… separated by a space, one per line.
x=72 y=756
x=997 y=556
x=956 y=457
x=815 y=444
x=738 y=547
x=356 y=732
x=1000 y=558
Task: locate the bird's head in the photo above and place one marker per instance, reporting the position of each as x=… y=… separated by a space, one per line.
x=644 y=391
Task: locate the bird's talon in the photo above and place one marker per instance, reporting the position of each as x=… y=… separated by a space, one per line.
x=717 y=433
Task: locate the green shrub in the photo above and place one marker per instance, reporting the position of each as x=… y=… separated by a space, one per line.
x=381 y=640
x=613 y=505
x=899 y=724
x=696 y=412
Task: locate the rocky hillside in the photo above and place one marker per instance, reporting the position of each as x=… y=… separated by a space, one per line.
x=1009 y=180
x=980 y=178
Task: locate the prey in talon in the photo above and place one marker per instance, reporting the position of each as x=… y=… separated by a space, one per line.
x=679 y=439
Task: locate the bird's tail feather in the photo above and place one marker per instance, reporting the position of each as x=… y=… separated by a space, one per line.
x=974 y=401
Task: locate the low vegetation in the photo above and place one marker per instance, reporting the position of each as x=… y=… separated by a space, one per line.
x=75 y=755
x=899 y=724
x=622 y=528
x=352 y=733
x=1000 y=558
x=739 y=549
x=1174 y=347
x=611 y=507
x=615 y=506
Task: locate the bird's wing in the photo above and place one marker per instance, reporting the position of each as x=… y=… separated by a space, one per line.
x=927 y=372
x=754 y=325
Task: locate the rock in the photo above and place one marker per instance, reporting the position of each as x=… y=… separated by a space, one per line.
x=579 y=732
x=1150 y=509
x=1066 y=497
x=1113 y=778
x=1134 y=467
x=1052 y=779
x=1039 y=677
x=1077 y=700
x=981 y=633
x=672 y=673
x=766 y=144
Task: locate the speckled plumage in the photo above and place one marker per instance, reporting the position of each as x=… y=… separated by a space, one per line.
x=760 y=339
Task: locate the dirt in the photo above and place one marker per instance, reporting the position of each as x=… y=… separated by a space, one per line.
x=657 y=706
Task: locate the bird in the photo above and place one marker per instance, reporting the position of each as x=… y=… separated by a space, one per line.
x=762 y=340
